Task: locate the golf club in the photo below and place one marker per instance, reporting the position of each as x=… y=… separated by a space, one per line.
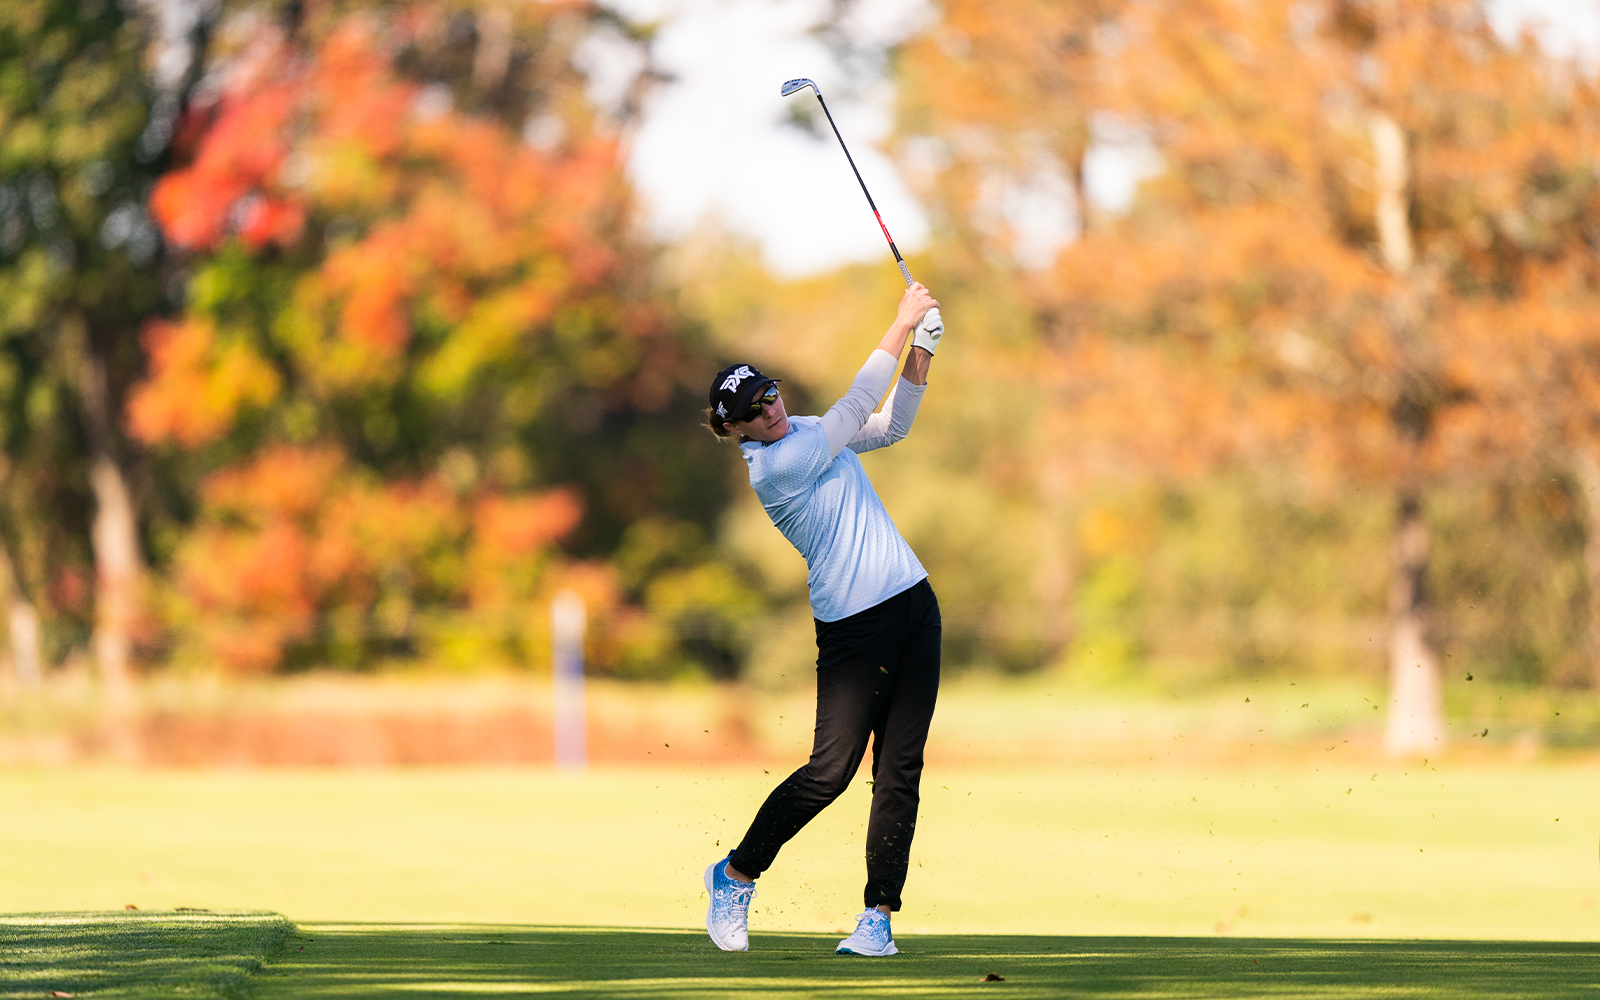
x=789 y=87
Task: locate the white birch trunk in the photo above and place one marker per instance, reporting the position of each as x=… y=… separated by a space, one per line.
x=22 y=627
x=1415 y=723
x=115 y=538
x=492 y=57
x=22 y=622
x=1393 y=177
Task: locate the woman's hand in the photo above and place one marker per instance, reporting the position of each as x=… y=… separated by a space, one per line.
x=914 y=304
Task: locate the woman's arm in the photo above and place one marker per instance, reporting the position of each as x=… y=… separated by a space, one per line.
x=917 y=364
x=904 y=410
x=892 y=423
x=845 y=418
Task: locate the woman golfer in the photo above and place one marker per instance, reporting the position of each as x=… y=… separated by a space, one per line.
x=878 y=627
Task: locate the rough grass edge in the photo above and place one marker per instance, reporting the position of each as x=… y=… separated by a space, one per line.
x=227 y=981
x=238 y=982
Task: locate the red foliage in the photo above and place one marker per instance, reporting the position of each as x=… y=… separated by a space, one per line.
x=455 y=212
x=233 y=180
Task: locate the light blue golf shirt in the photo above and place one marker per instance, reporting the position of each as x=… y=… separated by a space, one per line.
x=816 y=492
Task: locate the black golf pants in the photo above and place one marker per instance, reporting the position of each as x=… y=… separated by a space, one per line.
x=878 y=676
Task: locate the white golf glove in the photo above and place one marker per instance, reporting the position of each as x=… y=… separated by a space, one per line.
x=929 y=331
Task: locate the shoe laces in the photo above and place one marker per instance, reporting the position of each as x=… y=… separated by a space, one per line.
x=872 y=920
x=739 y=896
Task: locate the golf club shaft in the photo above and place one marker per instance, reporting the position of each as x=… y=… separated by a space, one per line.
x=904 y=271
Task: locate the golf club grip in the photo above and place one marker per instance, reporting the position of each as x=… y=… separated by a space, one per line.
x=906 y=272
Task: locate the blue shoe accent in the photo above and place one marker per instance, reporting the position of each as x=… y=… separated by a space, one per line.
x=872 y=936
x=728 y=913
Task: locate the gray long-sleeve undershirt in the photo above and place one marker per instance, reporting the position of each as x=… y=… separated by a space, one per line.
x=850 y=423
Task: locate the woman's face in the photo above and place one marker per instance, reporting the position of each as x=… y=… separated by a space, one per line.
x=772 y=425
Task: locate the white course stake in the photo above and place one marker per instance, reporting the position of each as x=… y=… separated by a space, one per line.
x=567 y=623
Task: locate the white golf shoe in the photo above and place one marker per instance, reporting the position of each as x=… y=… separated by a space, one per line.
x=728 y=914
x=871 y=937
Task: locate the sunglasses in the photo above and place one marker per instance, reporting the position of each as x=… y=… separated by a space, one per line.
x=765 y=399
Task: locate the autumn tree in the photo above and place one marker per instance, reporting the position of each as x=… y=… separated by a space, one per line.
x=422 y=343
x=1368 y=237
x=1005 y=94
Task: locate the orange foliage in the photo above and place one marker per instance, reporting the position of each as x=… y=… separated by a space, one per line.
x=197 y=386
x=507 y=532
x=278 y=482
x=516 y=527
x=424 y=247
x=250 y=590
x=297 y=534
x=1246 y=308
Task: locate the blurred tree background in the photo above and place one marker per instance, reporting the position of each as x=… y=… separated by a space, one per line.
x=331 y=339
x=1363 y=273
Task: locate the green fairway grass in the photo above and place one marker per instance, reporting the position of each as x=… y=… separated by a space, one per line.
x=261 y=956
x=341 y=960
x=1303 y=850
x=136 y=956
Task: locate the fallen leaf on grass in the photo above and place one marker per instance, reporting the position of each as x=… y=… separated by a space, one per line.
x=58 y=993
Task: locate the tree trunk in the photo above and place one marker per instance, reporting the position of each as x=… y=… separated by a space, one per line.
x=1080 y=196
x=22 y=626
x=1391 y=210
x=117 y=572
x=492 y=56
x=114 y=533
x=1587 y=468
x=1052 y=580
x=1416 y=707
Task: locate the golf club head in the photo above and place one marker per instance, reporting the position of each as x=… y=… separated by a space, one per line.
x=790 y=86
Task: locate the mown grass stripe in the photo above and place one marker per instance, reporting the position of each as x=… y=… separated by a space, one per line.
x=136 y=955
x=405 y=962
